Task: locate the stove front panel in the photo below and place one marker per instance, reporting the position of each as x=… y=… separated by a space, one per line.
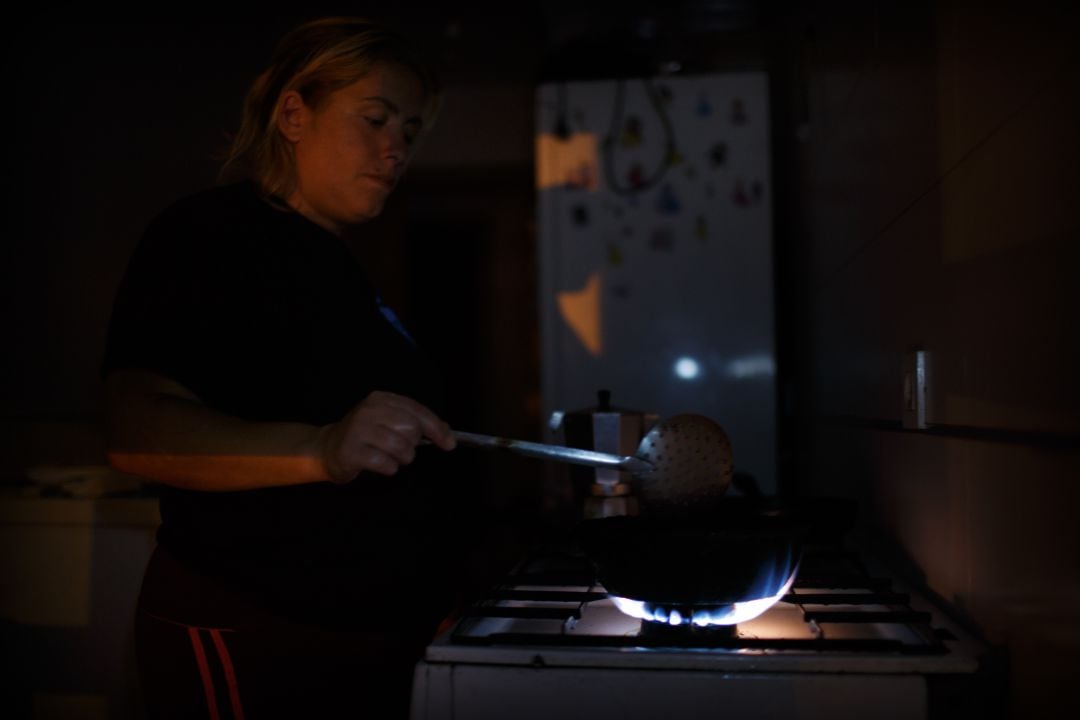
x=482 y=692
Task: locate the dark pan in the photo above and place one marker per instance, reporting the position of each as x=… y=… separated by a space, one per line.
x=742 y=549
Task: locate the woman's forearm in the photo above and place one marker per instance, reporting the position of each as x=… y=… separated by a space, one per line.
x=160 y=431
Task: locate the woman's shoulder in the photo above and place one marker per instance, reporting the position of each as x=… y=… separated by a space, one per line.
x=221 y=204
x=218 y=220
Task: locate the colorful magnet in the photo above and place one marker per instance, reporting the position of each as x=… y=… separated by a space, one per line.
x=562 y=128
x=704 y=107
x=662 y=240
x=667 y=202
x=580 y=214
x=738 y=112
x=739 y=196
x=701 y=228
x=583 y=176
x=614 y=255
x=718 y=155
x=631 y=134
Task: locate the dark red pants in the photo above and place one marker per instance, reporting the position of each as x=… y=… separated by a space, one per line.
x=206 y=652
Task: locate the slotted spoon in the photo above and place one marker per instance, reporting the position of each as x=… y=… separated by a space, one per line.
x=682 y=461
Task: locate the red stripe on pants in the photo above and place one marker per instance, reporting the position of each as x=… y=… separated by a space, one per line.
x=204 y=672
x=230 y=674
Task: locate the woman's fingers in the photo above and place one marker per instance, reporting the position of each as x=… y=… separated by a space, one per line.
x=417 y=417
x=380 y=435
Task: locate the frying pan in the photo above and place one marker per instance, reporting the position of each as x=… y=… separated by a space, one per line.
x=742 y=549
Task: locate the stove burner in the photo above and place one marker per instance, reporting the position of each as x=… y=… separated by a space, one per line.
x=686 y=635
x=700 y=615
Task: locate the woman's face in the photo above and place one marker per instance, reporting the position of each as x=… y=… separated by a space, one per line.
x=351 y=150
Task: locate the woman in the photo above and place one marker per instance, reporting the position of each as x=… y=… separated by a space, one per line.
x=293 y=424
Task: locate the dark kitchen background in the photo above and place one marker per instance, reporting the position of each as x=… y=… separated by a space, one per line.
x=926 y=166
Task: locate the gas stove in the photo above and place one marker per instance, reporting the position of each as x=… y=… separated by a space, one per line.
x=842 y=641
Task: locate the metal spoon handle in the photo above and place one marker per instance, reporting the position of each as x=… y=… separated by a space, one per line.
x=575 y=456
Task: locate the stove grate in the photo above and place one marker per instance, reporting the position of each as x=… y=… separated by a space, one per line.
x=858 y=645
x=842 y=609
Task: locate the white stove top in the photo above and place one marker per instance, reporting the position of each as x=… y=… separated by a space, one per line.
x=564 y=647
x=580 y=644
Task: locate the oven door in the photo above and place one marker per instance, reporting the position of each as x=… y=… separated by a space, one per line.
x=442 y=691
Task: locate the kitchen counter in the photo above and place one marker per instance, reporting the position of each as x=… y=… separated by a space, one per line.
x=73 y=560
x=18 y=510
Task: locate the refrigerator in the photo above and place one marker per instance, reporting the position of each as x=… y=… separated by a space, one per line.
x=655 y=253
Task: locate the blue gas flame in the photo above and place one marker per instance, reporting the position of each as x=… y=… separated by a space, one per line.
x=727 y=614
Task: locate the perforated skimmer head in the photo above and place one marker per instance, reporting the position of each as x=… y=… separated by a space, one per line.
x=692 y=463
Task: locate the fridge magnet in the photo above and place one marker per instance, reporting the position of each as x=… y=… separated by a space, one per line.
x=614 y=255
x=562 y=128
x=581 y=215
x=583 y=176
x=662 y=240
x=704 y=107
x=631 y=134
x=667 y=202
x=718 y=155
x=739 y=196
x=738 y=112
x=612 y=207
x=757 y=190
x=701 y=228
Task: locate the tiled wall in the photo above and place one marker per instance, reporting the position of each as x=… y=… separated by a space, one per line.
x=940 y=173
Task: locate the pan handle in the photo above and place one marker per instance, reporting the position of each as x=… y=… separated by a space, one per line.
x=574 y=456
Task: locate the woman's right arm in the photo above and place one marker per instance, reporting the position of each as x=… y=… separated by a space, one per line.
x=160 y=430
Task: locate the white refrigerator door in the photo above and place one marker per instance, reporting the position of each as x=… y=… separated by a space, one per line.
x=655 y=252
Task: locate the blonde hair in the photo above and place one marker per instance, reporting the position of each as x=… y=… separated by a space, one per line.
x=315 y=59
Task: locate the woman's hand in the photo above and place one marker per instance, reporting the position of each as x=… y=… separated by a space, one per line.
x=380 y=435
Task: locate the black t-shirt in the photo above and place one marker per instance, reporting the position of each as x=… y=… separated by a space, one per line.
x=268 y=317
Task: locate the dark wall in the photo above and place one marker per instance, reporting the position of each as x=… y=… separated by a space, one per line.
x=937 y=152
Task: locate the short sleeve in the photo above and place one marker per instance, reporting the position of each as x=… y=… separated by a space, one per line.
x=164 y=313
